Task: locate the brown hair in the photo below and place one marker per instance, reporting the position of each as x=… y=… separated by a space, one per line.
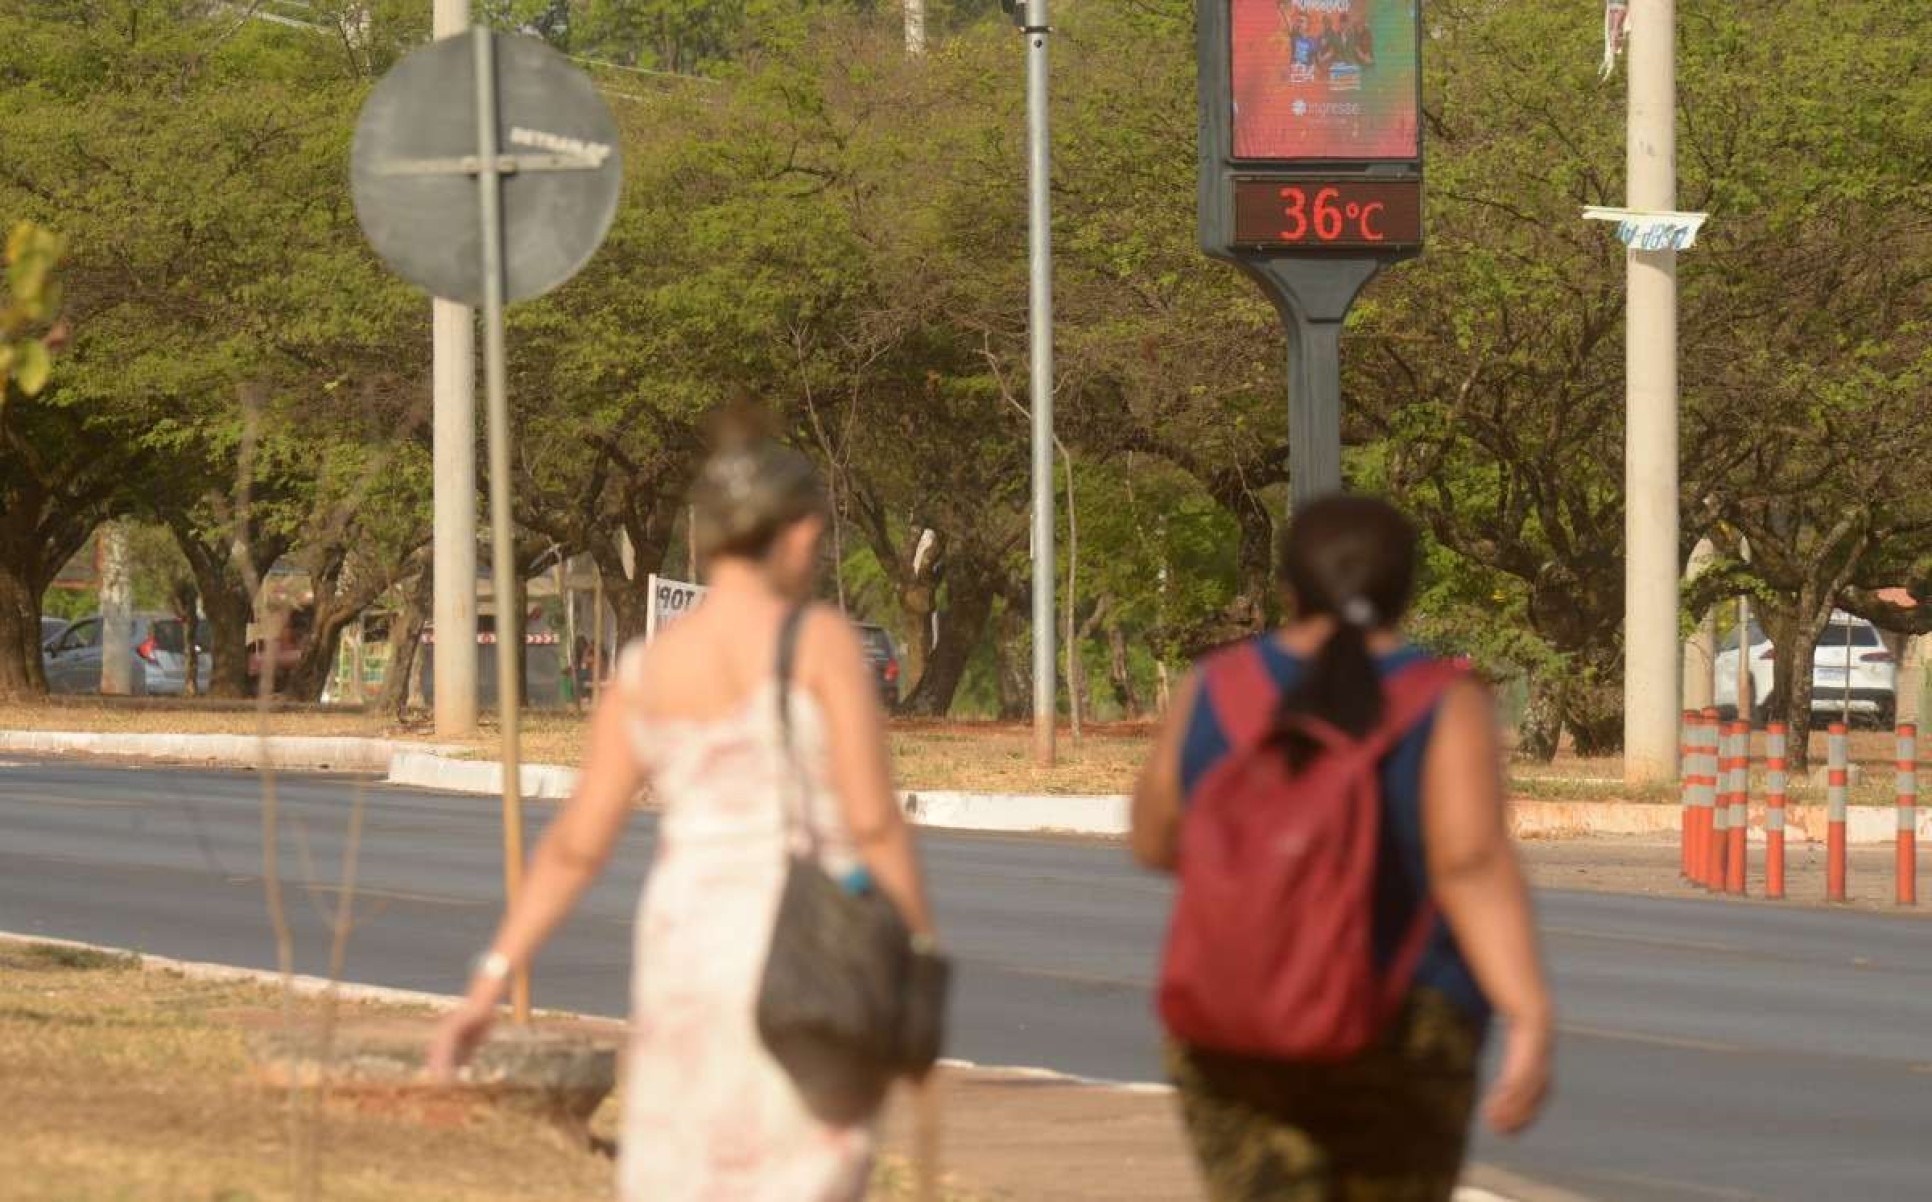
x=1351 y=558
x=751 y=489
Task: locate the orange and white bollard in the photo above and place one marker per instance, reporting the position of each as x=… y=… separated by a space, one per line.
x=1704 y=797
x=1836 y=800
x=1775 y=787
x=1709 y=742
x=1719 y=843
x=1908 y=815
x=1740 y=816
x=1687 y=791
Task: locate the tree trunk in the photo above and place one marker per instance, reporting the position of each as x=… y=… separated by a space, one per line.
x=186 y=602
x=960 y=628
x=405 y=642
x=321 y=647
x=1012 y=666
x=1794 y=634
x=225 y=598
x=229 y=609
x=21 y=672
x=1120 y=674
x=1541 y=731
x=1593 y=714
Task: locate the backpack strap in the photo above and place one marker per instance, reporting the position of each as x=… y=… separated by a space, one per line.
x=1237 y=683
x=1410 y=695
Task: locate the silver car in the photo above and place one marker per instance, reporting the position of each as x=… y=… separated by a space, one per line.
x=72 y=661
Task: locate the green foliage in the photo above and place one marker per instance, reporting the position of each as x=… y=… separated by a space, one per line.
x=31 y=305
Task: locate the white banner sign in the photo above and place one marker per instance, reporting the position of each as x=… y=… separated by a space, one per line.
x=1641 y=230
x=670 y=600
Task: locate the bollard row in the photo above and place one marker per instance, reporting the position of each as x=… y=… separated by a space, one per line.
x=1714 y=849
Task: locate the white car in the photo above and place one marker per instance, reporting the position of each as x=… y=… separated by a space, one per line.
x=1853 y=674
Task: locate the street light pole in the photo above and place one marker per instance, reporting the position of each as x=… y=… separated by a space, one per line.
x=1040 y=352
x=453 y=389
x=1651 y=673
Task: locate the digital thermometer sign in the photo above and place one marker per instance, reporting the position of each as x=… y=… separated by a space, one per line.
x=1314 y=214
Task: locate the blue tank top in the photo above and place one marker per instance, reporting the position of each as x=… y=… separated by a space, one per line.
x=1402 y=871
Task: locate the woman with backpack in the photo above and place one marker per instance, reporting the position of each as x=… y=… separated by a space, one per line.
x=1350 y=908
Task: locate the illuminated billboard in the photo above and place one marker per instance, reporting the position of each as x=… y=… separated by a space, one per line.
x=1331 y=80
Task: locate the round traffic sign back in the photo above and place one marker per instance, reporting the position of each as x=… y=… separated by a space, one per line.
x=413 y=169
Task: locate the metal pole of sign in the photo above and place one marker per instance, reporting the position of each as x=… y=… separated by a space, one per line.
x=1845 y=708
x=1040 y=349
x=453 y=385
x=1314 y=409
x=1651 y=674
x=1747 y=696
x=509 y=619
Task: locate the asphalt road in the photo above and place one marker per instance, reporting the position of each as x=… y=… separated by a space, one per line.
x=1710 y=1050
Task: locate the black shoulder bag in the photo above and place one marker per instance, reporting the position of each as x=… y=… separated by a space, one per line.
x=847 y=1003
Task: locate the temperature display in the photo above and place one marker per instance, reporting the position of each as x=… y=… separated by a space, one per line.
x=1320 y=214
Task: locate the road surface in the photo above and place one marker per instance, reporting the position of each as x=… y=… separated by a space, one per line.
x=1710 y=1050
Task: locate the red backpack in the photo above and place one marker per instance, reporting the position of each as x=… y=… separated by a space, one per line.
x=1270 y=952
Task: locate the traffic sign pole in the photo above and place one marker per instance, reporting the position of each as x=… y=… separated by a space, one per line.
x=503 y=568
x=450 y=211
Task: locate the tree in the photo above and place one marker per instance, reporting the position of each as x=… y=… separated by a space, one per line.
x=231 y=320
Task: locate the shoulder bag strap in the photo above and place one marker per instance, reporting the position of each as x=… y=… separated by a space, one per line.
x=797 y=807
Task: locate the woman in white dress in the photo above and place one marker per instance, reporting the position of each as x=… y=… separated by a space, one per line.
x=693 y=717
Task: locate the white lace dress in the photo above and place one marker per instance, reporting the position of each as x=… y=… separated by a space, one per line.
x=708 y=1114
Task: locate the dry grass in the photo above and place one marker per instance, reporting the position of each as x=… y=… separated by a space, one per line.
x=978 y=758
x=123 y=1084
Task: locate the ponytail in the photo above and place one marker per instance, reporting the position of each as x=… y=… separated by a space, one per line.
x=1351 y=559
x=1339 y=687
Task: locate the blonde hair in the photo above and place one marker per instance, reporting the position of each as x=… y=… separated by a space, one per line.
x=752 y=489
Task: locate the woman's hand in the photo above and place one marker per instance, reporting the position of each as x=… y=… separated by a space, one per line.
x=458 y=1036
x=1523 y=1083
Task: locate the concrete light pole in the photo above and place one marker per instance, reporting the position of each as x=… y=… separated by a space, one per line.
x=915 y=13
x=1651 y=671
x=453 y=335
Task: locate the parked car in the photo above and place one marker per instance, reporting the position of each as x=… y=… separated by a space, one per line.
x=51 y=629
x=71 y=660
x=1854 y=675
x=884 y=658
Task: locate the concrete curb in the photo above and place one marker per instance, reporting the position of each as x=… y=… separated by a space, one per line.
x=417 y=769
x=1109 y=816
x=303 y=752
x=1015 y=813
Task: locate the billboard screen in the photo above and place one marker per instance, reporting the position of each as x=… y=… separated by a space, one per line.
x=1325 y=79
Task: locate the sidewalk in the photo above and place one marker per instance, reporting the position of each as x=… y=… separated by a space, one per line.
x=1647 y=867
x=1021 y=1137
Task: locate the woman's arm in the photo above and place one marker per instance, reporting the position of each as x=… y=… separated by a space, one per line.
x=1479 y=885
x=833 y=669
x=1155 y=839
x=571 y=854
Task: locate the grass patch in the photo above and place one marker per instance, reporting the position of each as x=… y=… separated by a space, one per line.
x=125 y=1085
